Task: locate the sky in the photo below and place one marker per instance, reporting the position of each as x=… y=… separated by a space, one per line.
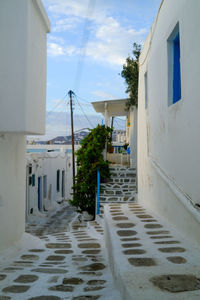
x=86 y=49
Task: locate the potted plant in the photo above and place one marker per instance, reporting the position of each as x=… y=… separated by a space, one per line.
x=110 y=148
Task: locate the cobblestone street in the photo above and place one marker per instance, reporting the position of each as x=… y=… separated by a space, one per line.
x=69 y=263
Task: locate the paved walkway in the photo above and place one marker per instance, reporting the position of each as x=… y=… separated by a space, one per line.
x=69 y=263
x=149 y=258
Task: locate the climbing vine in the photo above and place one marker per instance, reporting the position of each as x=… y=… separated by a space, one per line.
x=89 y=159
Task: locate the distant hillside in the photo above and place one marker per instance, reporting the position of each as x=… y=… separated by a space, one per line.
x=67 y=140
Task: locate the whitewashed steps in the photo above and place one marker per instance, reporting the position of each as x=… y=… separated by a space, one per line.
x=121 y=187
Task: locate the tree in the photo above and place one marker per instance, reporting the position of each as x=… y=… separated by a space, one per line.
x=130 y=73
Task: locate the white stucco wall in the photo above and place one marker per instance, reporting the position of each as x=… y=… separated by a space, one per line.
x=168 y=136
x=47 y=164
x=23 y=29
x=12 y=188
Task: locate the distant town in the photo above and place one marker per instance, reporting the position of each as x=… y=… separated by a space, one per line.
x=117 y=136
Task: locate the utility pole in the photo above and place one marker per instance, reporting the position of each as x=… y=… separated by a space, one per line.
x=70 y=93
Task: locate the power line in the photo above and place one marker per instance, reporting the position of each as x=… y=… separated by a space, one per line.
x=57 y=115
x=84 y=112
x=60 y=101
x=119 y=125
x=83 y=99
x=120 y=119
x=84 y=42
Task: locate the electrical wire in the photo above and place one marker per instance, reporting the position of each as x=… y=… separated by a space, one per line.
x=120 y=119
x=57 y=117
x=60 y=101
x=84 y=112
x=79 y=68
x=84 y=42
x=119 y=125
x=80 y=98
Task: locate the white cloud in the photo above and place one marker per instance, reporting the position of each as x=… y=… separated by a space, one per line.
x=55 y=49
x=56 y=39
x=108 y=40
x=66 y=24
x=113 y=42
x=78 y=8
x=103 y=95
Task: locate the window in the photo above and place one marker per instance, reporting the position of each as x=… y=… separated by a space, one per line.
x=176 y=70
x=33 y=180
x=44 y=186
x=174 y=66
x=30 y=180
x=146 y=90
x=58 y=181
x=30 y=169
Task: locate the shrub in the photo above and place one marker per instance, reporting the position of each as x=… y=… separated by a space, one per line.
x=89 y=159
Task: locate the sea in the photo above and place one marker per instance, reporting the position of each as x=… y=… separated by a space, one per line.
x=42 y=150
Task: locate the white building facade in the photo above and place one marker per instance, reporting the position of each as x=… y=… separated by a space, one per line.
x=168 y=116
x=113 y=108
x=48 y=181
x=23 y=29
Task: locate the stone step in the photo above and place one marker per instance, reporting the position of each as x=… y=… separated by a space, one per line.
x=103 y=203
x=118 y=186
x=115 y=169
x=122 y=180
x=116 y=192
x=123 y=176
x=122 y=172
x=121 y=187
x=116 y=198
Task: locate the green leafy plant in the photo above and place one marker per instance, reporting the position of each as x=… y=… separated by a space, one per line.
x=126 y=146
x=130 y=73
x=89 y=159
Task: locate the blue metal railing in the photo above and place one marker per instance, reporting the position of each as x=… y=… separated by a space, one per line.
x=98 y=192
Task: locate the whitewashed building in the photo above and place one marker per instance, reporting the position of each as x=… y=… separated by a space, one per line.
x=48 y=180
x=113 y=108
x=23 y=29
x=168 y=116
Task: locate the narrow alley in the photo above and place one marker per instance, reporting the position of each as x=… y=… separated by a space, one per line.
x=68 y=262
x=73 y=259
x=122 y=149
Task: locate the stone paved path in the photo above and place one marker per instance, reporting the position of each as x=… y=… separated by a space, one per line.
x=56 y=223
x=151 y=260
x=71 y=264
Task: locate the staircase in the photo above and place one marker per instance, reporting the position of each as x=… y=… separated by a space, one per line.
x=121 y=187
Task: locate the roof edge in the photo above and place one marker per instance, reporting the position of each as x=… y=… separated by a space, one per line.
x=43 y=13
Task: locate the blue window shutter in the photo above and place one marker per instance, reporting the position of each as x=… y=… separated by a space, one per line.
x=176 y=70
